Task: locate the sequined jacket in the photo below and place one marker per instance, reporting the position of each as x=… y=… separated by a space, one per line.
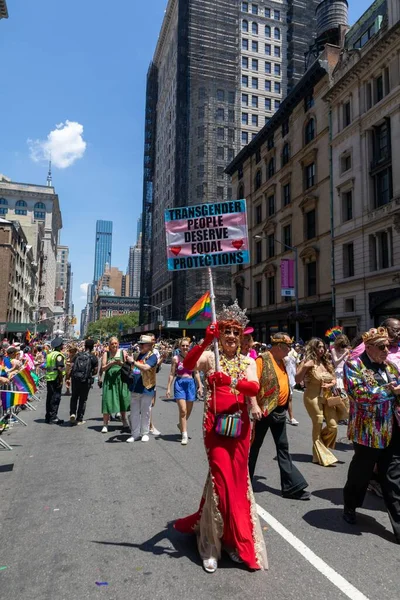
x=371 y=405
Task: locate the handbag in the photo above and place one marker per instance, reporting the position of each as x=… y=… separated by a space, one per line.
x=127 y=375
x=229 y=425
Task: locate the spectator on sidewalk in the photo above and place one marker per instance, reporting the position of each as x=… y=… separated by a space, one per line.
x=84 y=366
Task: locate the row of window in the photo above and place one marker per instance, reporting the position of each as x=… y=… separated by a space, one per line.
x=270 y=299
x=254 y=9
x=267 y=101
x=267 y=47
x=21 y=208
x=255 y=63
x=380 y=253
x=267 y=29
x=254 y=81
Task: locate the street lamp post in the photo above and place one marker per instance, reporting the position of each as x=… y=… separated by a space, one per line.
x=160 y=315
x=296 y=282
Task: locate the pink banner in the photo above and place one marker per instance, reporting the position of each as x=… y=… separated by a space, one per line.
x=287 y=276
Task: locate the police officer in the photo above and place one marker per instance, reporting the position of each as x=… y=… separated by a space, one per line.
x=55 y=371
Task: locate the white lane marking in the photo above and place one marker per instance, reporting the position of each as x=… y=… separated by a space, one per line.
x=340 y=582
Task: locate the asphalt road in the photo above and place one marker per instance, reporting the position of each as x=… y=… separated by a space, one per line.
x=79 y=507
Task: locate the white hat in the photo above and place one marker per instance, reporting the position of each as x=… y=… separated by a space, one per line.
x=146 y=339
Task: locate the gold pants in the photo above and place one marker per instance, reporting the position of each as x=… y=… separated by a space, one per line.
x=323 y=437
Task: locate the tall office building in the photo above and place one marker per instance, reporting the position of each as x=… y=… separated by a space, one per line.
x=139 y=229
x=135 y=267
x=103 y=246
x=3 y=9
x=219 y=72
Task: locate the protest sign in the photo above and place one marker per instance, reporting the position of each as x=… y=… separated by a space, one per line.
x=207 y=235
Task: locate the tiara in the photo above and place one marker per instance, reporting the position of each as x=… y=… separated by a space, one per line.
x=233 y=313
x=373 y=335
x=284 y=340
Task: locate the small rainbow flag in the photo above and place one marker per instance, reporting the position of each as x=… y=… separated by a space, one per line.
x=9 y=399
x=202 y=308
x=23 y=381
x=332 y=333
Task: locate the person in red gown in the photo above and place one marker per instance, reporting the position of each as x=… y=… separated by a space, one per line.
x=227 y=517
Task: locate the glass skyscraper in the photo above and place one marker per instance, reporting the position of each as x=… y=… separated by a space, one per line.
x=103 y=245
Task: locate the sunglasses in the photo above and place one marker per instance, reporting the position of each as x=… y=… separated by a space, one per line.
x=234 y=332
x=382 y=347
x=184 y=346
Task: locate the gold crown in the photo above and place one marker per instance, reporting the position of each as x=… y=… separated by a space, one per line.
x=282 y=340
x=375 y=335
x=233 y=313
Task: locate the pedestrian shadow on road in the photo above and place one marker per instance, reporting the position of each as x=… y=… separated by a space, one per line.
x=330 y=519
x=115 y=439
x=111 y=428
x=260 y=486
x=175 y=545
x=335 y=495
x=168 y=541
x=170 y=437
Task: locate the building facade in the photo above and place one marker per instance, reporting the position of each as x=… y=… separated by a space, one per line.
x=3 y=9
x=18 y=275
x=103 y=248
x=135 y=268
x=218 y=72
x=284 y=174
x=364 y=101
x=37 y=209
x=110 y=305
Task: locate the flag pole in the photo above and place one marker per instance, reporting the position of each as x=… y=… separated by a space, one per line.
x=213 y=317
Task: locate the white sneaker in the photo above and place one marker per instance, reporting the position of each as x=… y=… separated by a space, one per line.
x=154 y=431
x=72 y=419
x=105 y=429
x=145 y=438
x=132 y=439
x=184 y=439
x=293 y=421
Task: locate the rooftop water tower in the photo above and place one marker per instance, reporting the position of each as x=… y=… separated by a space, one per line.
x=332 y=24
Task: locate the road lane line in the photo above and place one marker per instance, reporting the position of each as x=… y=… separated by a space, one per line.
x=340 y=582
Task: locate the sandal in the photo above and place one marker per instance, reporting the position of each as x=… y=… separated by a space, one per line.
x=233 y=555
x=210 y=565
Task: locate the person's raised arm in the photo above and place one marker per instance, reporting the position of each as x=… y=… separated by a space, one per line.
x=303 y=369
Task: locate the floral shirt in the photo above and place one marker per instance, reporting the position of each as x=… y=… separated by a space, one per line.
x=371 y=403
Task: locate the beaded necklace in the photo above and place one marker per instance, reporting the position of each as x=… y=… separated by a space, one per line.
x=235 y=367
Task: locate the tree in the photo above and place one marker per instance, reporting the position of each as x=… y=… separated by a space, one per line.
x=104 y=328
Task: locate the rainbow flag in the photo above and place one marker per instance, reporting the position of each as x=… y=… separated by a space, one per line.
x=332 y=333
x=202 y=308
x=9 y=399
x=24 y=382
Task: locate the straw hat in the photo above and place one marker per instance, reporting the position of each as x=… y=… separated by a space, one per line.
x=146 y=339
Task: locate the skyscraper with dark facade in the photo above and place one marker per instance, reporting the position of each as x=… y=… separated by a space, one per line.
x=219 y=72
x=103 y=246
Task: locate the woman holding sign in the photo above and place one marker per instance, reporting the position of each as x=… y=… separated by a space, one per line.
x=227 y=517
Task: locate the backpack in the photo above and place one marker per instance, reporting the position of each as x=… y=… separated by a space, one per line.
x=82 y=369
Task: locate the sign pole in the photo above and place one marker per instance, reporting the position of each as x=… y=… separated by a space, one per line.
x=214 y=317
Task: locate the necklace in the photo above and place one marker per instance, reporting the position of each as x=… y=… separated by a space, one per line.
x=235 y=367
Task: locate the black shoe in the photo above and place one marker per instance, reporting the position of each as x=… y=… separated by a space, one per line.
x=302 y=495
x=349 y=515
x=57 y=421
x=47 y=421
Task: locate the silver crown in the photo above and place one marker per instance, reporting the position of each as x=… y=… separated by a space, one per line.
x=234 y=313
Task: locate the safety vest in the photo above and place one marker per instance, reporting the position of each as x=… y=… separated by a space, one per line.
x=51 y=368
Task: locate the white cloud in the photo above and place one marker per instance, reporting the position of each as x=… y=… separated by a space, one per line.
x=65 y=145
x=84 y=288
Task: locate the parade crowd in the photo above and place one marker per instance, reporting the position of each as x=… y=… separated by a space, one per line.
x=246 y=389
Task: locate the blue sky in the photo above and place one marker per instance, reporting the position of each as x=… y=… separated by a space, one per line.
x=82 y=61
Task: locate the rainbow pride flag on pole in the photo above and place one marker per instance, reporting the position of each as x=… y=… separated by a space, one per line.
x=332 y=333
x=202 y=308
x=24 y=382
x=10 y=399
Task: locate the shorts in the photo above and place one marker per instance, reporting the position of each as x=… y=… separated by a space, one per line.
x=185 y=389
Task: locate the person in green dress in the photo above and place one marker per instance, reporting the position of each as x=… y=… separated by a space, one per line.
x=116 y=396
